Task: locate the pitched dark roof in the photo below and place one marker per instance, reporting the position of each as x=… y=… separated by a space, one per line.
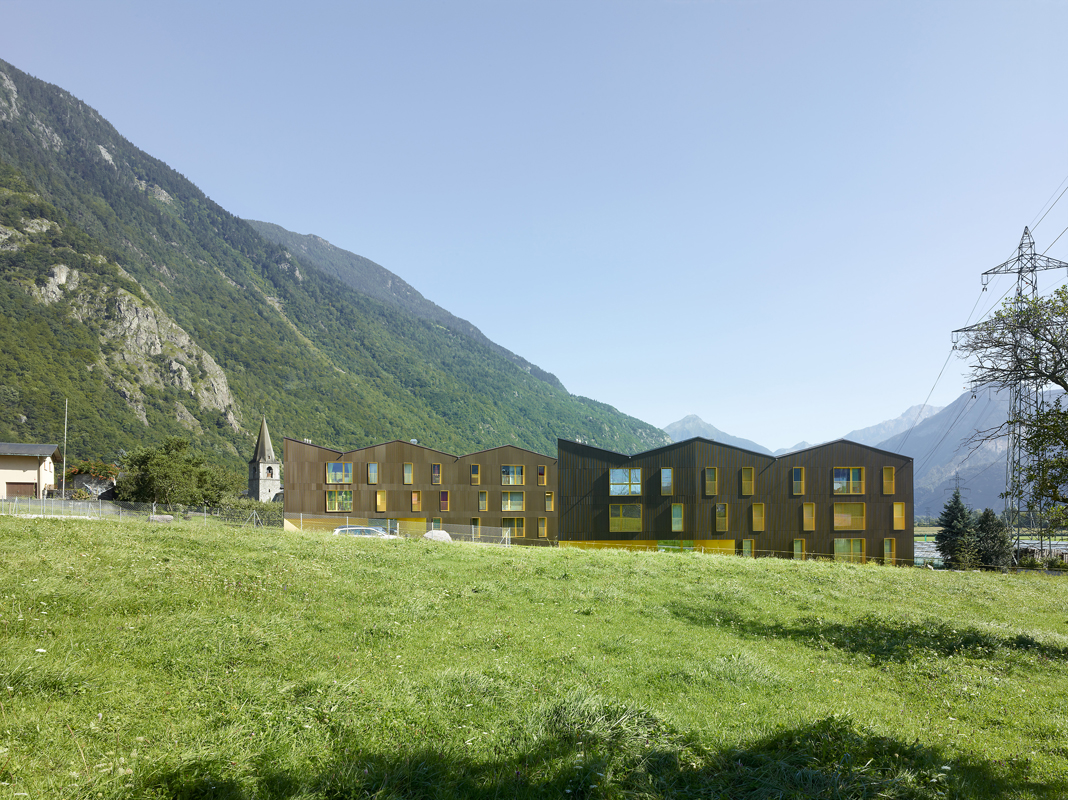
x=264 y=448
x=16 y=449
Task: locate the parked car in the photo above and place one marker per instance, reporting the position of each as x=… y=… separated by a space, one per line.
x=363 y=530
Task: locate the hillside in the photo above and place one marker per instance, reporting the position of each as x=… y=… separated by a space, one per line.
x=142 y=662
x=157 y=312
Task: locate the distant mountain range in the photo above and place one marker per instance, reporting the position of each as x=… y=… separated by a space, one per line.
x=693 y=425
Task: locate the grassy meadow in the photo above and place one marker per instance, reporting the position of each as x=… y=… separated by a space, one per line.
x=193 y=661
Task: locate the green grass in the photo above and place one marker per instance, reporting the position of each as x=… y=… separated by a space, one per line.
x=193 y=661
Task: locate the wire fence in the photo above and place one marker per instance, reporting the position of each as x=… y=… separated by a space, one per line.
x=413 y=529
x=150 y=512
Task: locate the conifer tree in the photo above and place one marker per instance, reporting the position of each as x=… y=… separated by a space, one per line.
x=992 y=541
x=955 y=539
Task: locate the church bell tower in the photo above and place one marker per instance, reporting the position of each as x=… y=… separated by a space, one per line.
x=264 y=470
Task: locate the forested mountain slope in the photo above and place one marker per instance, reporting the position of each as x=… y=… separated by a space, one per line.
x=157 y=312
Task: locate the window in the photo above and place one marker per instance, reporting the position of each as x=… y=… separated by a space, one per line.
x=625 y=518
x=435 y=524
x=512 y=475
x=758 y=517
x=476 y=475
x=888 y=480
x=372 y=473
x=443 y=501
x=747 y=548
x=851 y=550
x=721 y=517
x=711 y=482
x=676 y=517
x=541 y=475
x=380 y=500
x=550 y=501
x=799 y=549
x=624 y=482
x=799 y=480
x=512 y=501
x=409 y=469
x=483 y=501
x=890 y=551
x=339 y=472
x=849 y=516
x=543 y=528
x=899 y=516
x=476 y=527
x=339 y=500
x=747 y=480
x=667 y=480
x=435 y=474
x=417 y=501
x=848 y=480
x=808 y=516
x=512 y=527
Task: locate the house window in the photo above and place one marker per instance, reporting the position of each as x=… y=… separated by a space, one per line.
x=339 y=500
x=899 y=516
x=888 y=480
x=483 y=501
x=476 y=527
x=747 y=480
x=409 y=469
x=541 y=475
x=435 y=524
x=711 y=482
x=747 y=548
x=512 y=527
x=417 y=501
x=476 y=475
x=625 y=518
x=443 y=500
x=543 y=528
x=372 y=473
x=667 y=480
x=808 y=516
x=512 y=501
x=799 y=549
x=851 y=550
x=848 y=480
x=550 y=502
x=799 y=480
x=758 y=517
x=849 y=517
x=380 y=500
x=339 y=472
x=721 y=517
x=676 y=517
x=512 y=475
x=890 y=551
x=625 y=482
x=435 y=474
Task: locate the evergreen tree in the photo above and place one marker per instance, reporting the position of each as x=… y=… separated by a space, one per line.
x=992 y=540
x=955 y=539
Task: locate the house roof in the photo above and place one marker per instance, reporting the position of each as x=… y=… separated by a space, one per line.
x=18 y=449
x=264 y=448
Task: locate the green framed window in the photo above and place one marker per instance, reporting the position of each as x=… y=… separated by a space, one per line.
x=676 y=517
x=799 y=549
x=339 y=472
x=798 y=481
x=372 y=473
x=339 y=500
x=711 y=482
x=667 y=482
x=512 y=501
x=625 y=482
x=625 y=518
x=512 y=475
x=847 y=480
x=435 y=524
x=721 y=518
x=851 y=550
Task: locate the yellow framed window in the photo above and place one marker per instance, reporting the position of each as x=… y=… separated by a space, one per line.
x=847 y=480
x=543 y=528
x=409 y=473
x=339 y=500
x=550 y=501
x=443 y=501
x=417 y=501
x=512 y=527
x=435 y=474
x=888 y=480
x=808 y=516
x=748 y=480
x=890 y=551
x=851 y=550
x=721 y=517
x=899 y=516
x=339 y=472
x=476 y=475
x=542 y=474
x=676 y=517
x=799 y=549
x=798 y=481
x=483 y=501
x=476 y=527
x=380 y=500
x=372 y=473
x=435 y=524
x=758 y=517
x=512 y=501
x=711 y=482
x=849 y=517
x=625 y=518
x=512 y=475
x=747 y=548
x=667 y=481
x=625 y=482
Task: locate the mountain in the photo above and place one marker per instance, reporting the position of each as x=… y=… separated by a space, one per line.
x=693 y=425
x=154 y=311
x=799 y=446
x=884 y=430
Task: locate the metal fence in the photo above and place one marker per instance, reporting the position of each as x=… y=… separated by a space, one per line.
x=118 y=509
x=411 y=529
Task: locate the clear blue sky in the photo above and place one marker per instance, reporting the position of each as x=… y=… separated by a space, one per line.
x=768 y=214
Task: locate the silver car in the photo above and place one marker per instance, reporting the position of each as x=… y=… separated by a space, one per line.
x=362 y=530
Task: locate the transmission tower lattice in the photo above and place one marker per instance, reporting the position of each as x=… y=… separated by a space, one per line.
x=1026 y=396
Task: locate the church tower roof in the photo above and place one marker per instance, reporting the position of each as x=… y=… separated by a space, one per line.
x=264 y=448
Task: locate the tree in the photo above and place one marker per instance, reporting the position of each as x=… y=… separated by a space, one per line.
x=173 y=475
x=993 y=545
x=955 y=539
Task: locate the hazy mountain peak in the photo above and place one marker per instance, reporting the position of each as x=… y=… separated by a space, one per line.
x=692 y=425
x=884 y=430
